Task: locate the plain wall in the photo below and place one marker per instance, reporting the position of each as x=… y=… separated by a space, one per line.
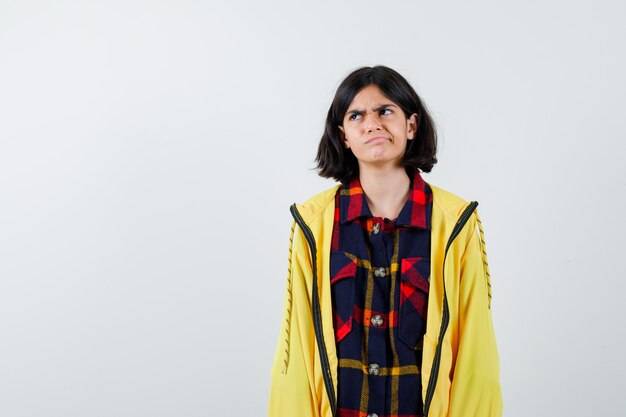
x=149 y=152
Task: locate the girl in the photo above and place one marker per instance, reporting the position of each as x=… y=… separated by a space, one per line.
x=387 y=308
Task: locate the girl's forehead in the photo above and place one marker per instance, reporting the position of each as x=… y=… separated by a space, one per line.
x=370 y=95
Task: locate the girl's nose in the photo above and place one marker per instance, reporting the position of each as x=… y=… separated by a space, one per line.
x=372 y=122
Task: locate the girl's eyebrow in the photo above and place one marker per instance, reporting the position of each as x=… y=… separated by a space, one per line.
x=358 y=111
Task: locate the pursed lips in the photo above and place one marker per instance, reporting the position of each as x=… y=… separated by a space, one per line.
x=377 y=138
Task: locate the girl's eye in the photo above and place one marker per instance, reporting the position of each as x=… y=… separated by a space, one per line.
x=354 y=116
x=385 y=111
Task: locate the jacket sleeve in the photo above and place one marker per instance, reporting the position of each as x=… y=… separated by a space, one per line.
x=475 y=389
x=290 y=387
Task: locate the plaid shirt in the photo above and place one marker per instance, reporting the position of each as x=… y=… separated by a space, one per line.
x=380 y=272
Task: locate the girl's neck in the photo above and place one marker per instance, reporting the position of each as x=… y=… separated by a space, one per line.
x=386 y=191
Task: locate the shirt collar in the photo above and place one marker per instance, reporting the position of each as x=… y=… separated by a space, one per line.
x=353 y=204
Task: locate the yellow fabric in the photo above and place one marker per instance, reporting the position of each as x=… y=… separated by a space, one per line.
x=468 y=382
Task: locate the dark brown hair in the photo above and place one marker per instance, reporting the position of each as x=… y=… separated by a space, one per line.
x=335 y=161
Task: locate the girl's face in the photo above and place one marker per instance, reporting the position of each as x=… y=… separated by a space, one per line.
x=375 y=128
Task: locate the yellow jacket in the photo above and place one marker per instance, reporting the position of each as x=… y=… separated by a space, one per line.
x=460 y=364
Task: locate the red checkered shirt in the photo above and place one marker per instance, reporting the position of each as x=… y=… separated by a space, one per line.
x=380 y=272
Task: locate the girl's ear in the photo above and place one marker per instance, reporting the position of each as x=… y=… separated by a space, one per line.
x=411 y=126
x=343 y=136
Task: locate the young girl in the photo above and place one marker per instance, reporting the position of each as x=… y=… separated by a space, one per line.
x=388 y=303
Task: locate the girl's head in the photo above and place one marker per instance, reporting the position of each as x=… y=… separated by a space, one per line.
x=376 y=118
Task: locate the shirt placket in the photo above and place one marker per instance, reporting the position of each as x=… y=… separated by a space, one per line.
x=376 y=353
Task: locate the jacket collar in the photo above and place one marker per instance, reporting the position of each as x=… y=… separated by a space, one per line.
x=321 y=206
x=353 y=203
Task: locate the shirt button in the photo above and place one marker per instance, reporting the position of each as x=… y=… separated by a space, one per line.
x=376 y=320
x=379 y=272
x=374 y=369
x=372 y=415
x=376 y=228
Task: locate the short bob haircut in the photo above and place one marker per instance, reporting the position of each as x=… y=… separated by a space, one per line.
x=334 y=160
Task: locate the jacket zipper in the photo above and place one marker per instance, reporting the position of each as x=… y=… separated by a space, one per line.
x=432 y=381
x=317 y=316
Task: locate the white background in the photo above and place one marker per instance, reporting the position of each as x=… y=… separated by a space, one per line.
x=149 y=152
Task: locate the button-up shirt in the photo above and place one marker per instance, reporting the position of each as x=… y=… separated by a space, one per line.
x=380 y=271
